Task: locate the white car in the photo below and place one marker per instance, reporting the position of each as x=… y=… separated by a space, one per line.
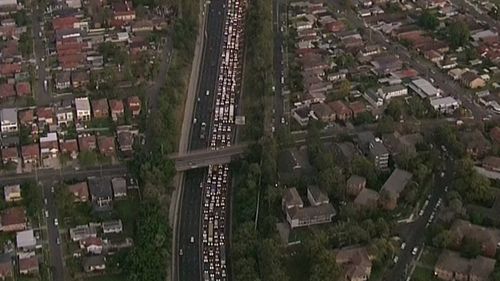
x=414 y=251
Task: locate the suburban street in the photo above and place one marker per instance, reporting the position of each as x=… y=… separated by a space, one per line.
x=415 y=237
x=42 y=96
x=279 y=7
x=56 y=253
x=189 y=263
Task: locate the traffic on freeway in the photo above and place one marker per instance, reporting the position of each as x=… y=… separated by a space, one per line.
x=215 y=195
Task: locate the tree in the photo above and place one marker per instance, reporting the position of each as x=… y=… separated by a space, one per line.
x=32 y=198
x=428 y=20
x=443 y=239
x=325 y=267
x=470 y=248
x=26 y=44
x=344 y=88
x=458 y=33
x=333 y=181
x=395 y=109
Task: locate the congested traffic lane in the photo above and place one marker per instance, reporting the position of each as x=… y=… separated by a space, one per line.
x=215 y=187
x=189 y=262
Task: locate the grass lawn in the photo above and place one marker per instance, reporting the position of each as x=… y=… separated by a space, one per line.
x=423 y=274
x=115 y=277
x=430 y=256
x=295 y=267
x=127 y=212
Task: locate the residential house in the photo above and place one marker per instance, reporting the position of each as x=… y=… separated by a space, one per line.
x=117 y=109
x=12 y=193
x=106 y=145
x=63 y=80
x=322 y=112
x=357 y=108
x=13 y=219
x=8 y=119
x=301 y=115
x=125 y=141
x=25 y=240
x=385 y=64
x=87 y=143
x=81 y=232
x=101 y=193
x=487 y=238
x=316 y=196
x=49 y=146
x=94 y=263
x=472 y=80
x=28 y=265
x=402 y=144
x=69 y=147
x=134 y=105
x=114 y=226
x=10 y=155
x=100 y=108
x=367 y=198
x=45 y=115
x=475 y=143
x=6 y=267
x=393 y=187
x=123 y=11
x=293 y=163
x=298 y=216
x=30 y=153
x=355 y=263
x=424 y=88
x=65 y=116
x=355 y=184
x=341 y=110
x=7 y=92
x=452 y=266
x=80 y=191
x=79 y=79
x=92 y=245
x=26 y=117
x=82 y=106
x=393 y=91
x=446 y=105
x=119 y=187
x=491 y=163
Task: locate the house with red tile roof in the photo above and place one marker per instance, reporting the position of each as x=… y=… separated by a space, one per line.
x=13 y=219
x=80 y=191
x=69 y=147
x=10 y=155
x=26 y=117
x=92 y=245
x=30 y=153
x=6 y=267
x=9 y=69
x=100 y=108
x=23 y=89
x=357 y=108
x=134 y=105
x=341 y=110
x=45 y=115
x=7 y=91
x=117 y=109
x=28 y=265
x=123 y=11
x=87 y=143
x=106 y=145
x=64 y=23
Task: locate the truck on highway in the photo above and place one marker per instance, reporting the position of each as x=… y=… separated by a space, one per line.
x=210 y=231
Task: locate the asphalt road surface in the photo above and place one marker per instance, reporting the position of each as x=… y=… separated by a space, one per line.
x=42 y=96
x=416 y=237
x=56 y=253
x=279 y=51
x=189 y=262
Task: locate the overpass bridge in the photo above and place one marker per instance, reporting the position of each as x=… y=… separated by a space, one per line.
x=205 y=157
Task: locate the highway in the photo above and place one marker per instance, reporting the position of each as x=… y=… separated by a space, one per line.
x=190 y=206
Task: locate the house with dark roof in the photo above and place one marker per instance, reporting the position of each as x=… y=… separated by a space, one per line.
x=393 y=187
x=94 y=263
x=355 y=184
x=316 y=196
x=475 y=143
x=452 y=266
x=100 y=108
x=322 y=112
x=106 y=145
x=101 y=193
x=297 y=215
x=10 y=155
x=472 y=80
x=355 y=263
x=119 y=187
x=117 y=109
x=488 y=238
x=6 y=267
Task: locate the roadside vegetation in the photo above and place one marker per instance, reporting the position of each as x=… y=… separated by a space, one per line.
x=149 y=260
